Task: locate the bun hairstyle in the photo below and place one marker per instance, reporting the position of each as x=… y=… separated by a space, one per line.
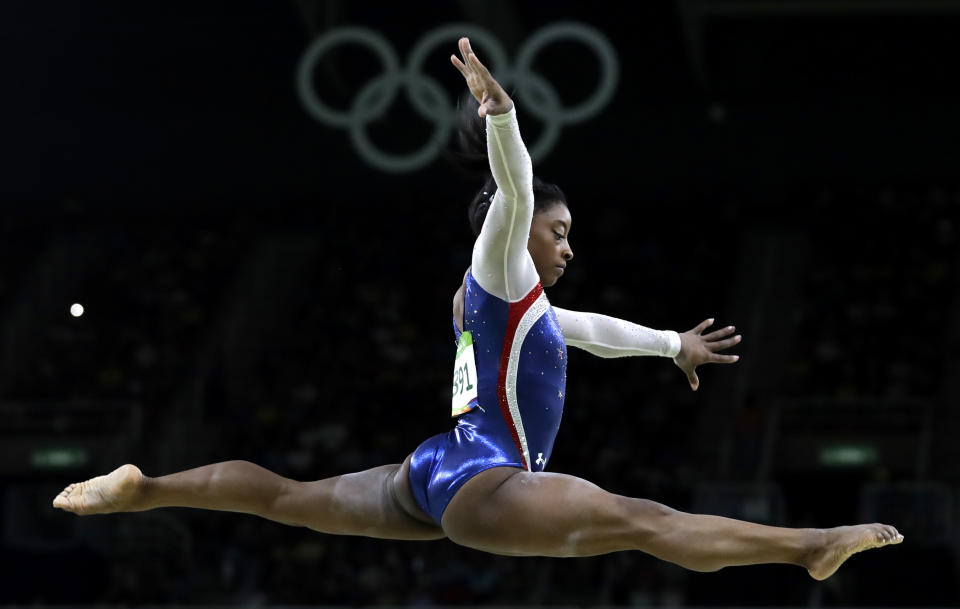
x=480 y=204
x=472 y=158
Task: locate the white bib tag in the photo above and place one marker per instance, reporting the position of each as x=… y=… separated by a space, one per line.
x=464 y=377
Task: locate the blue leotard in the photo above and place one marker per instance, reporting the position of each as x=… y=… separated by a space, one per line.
x=521 y=376
x=519 y=346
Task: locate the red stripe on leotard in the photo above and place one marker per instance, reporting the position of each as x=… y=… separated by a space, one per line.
x=516 y=311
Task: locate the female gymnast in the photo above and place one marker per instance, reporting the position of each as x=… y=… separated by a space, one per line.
x=483 y=483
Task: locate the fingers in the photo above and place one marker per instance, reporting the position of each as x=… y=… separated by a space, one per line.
x=465 y=48
x=720 y=345
x=703 y=325
x=693 y=380
x=470 y=58
x=464 y=66
x=716 y=358
x=471 y=63
x=718 y=334
x=481 y=69
x=459 y=65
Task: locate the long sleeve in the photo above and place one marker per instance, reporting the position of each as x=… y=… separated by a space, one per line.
x=606 y=336
x=501 y=263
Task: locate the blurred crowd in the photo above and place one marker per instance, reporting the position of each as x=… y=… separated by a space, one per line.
x=878 y=295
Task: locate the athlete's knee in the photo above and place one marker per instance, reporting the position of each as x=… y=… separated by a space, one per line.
x=613 y=523
x=281 y=505
x=647 y=520
x=671 y=535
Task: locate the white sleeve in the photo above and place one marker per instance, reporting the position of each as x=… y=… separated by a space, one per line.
x=501 y=263
x=611 y=337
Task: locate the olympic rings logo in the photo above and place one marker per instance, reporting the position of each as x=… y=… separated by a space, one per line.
x=431 y=101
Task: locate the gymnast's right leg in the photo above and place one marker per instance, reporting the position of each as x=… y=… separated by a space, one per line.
x=373 y=503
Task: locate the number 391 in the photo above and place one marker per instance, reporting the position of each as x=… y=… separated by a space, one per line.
x=461 y=380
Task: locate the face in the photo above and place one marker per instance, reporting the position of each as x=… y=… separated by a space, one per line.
x=549 y=244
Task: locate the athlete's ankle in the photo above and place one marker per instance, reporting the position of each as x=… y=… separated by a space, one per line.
x=812 y=543
x=138 y=500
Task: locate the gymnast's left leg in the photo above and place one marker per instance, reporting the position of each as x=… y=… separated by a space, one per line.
x=506 y=510
x=373 y=503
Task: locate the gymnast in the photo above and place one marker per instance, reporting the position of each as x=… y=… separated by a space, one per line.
x=483 y=484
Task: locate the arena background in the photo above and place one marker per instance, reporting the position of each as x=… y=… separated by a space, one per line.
x=254 y=289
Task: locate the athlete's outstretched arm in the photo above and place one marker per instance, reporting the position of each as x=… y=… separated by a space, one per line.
x=501 y=262
x=606 y=336
x=611 y=337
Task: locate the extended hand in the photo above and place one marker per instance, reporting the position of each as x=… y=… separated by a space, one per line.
x=697 y=348
x=493 y=99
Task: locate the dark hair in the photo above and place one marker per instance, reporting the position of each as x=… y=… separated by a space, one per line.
x=472 y=136
x=545 y=196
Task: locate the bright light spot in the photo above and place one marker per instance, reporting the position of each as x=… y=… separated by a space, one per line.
x=76 y=309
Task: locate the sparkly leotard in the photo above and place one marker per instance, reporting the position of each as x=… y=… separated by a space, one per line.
x=521 y=377
x=518 y=342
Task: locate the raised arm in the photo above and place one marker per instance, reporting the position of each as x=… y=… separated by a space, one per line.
x=611 y=337
x=501 y=263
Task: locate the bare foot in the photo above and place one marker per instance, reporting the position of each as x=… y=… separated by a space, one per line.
x=103 y=494
x=840 y=543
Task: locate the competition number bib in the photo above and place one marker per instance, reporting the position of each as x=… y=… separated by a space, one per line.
x=464 y=377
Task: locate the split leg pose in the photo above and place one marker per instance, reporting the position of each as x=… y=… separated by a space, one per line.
x=506 y=511
x=483 y=484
